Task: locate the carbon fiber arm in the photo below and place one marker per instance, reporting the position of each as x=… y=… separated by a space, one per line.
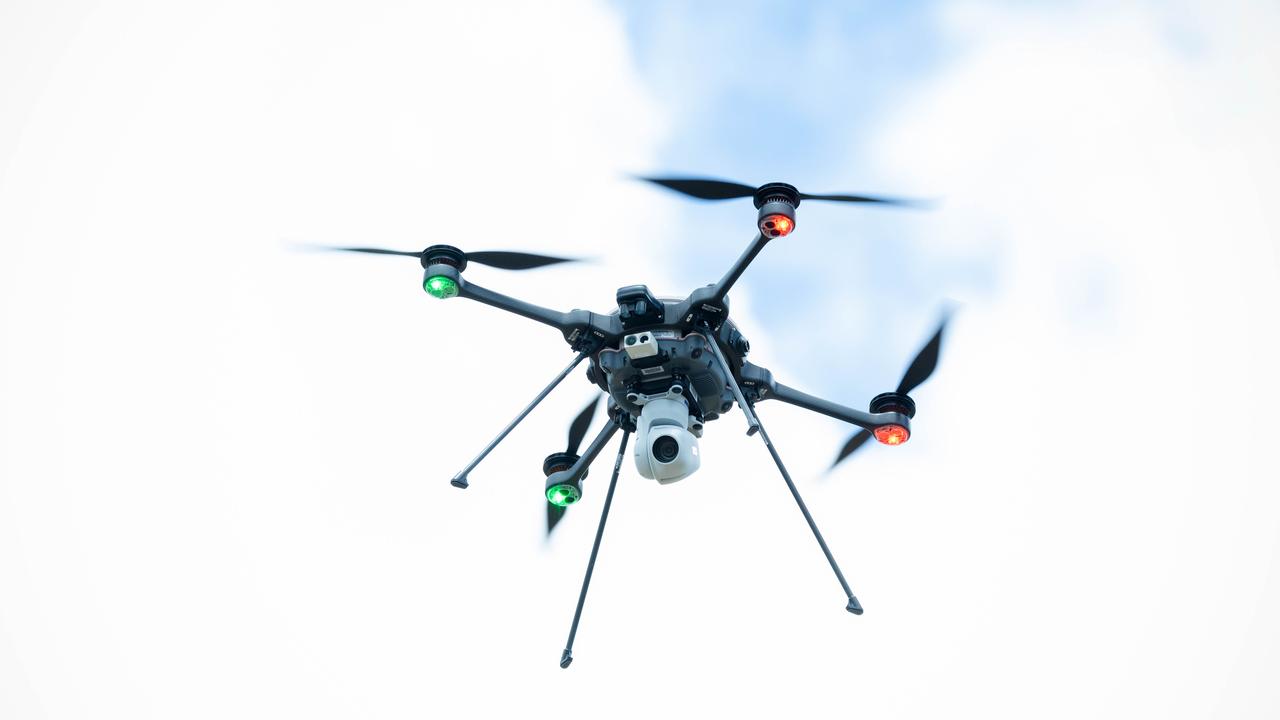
x=720 y=289
x=580 y=328
x=579 y=468
x=760 y=381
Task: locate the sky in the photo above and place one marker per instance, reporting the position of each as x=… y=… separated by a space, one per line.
x=224 y=460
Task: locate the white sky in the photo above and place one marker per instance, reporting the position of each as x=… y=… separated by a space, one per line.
x=224 y=463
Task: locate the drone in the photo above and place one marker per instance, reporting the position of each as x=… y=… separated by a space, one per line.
x=670 y=366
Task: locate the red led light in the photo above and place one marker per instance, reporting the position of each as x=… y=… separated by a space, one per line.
x=776 y=225
x=892 y=434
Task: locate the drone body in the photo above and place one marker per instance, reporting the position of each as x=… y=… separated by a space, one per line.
x=670 y=366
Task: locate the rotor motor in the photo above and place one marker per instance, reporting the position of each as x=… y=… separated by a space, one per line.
x=560 y=493
x=776 y=209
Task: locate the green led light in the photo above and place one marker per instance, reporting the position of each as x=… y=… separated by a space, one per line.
x=440 y=286
x=563 y=495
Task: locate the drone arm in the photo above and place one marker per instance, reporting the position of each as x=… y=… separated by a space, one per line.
x=589 y=455
x=761 y=381
x=720 y=289
x=543 y=315
x=577 y=326
x=573 y=474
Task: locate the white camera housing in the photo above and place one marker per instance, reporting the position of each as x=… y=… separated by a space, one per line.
x=666 y=450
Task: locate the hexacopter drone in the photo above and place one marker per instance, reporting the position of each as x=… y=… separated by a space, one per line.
x=670 y=366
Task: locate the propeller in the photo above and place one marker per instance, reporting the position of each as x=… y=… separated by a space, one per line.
x=504 y=260
x=925 y=362
x=712 y=189
x=577 y=431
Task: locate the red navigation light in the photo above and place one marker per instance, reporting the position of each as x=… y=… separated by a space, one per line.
x=892 y=434
x=776 y=225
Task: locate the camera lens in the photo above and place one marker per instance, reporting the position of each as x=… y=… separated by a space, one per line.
x=665 y=449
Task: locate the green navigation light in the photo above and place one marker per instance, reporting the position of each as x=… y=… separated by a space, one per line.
x=440 y=286
x=563 y=495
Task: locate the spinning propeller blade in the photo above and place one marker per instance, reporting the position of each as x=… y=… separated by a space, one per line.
x=554 y=514
x=854 y=443
x=925 y=362
x=705 y=188
x=577 y=431
x=375 y=251
x=515 y=260
x=501 y=259
x=862 y=199
x=712 y=189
